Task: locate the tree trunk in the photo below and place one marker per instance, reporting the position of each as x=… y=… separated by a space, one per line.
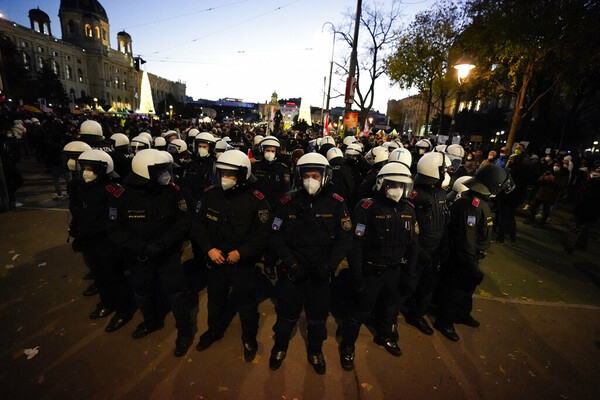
x=429 y=97
x=520 y=111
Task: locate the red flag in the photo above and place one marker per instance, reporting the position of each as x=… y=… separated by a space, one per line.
x=326 y=126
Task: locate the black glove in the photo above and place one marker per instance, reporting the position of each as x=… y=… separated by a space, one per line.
x=154 y=248
x=296 y=273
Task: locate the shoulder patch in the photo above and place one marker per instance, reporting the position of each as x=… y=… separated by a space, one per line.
x=413 y=194
x=110 y=188
x=367 y=203
x=476 y=202
x=411 y=204
x=258 y=195
x=209 y=188
x=284 y=165
x=338 y=197
x=286 y=198
x=175 y=186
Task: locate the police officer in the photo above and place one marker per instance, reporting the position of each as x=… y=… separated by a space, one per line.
x=378 y=157
x=181 y=157
x=429 y=200
x=149 y=219
x=385 y=232
x=341 y=173
x=88 y=206
x=199 y=172
x=311 y=235
x=470 y=234
x=122 y=154
x=90 y=132
x=231 y=225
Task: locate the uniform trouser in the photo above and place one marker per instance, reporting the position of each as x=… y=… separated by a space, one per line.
x=379 y=298
x=292 y=297
x=507 y=223
x=114 y=289
x=428 y=267
x=166 y=269
x=456 y=298
x=241 y=279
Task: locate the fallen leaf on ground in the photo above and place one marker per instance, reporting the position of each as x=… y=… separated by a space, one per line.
x=15 y=256
x=501 y=369
x=30 y=353
x=368 y=387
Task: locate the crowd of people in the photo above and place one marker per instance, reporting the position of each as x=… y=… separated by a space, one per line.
x=362 y=228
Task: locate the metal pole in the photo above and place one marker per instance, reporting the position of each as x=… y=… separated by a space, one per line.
x=353 y=61
x=451 y=132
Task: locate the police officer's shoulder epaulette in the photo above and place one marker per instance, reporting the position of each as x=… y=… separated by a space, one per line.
x=413 y=194
x=209 y=188
x=410 y=204
x=286 y=198
x=475 y=202
x=284 y=165
x=337 y=197
x=367 y=203
x=110 y=188
x=118 y=190
x=175 y=186
x=258 y=195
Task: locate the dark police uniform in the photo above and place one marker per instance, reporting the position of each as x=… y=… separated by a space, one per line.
x=470 y=234
x=89 y=206
x=150 y=222
x=273 y=179
x=311 y=235
x=385 y=232
x=433 y=217
x=343 y=182
x=234 y=219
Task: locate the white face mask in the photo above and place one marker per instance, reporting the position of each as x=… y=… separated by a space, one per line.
x=202 y=152
x=88 y=176
x=421 y=151
x=164 y=178
x=312 y=186
x=228 y=183
x=446 y=180
x=269 y=156
x=556 y=169
x=72 y=164
x=394 y=194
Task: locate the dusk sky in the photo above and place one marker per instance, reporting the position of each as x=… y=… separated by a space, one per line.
x=243 y=49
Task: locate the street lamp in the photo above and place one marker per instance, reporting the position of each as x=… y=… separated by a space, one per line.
x=463 y=66
x=95 y=103
x=330 y=64
x=170 y=113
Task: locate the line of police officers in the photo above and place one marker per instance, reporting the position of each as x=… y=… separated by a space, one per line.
x=134 y=204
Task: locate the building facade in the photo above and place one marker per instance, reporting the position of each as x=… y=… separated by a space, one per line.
x=83 y=59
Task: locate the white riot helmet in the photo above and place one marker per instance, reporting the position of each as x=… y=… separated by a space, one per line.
x=153 y=165
x=206 y=138
x=234 y=160
x=177 y=146
x=147 y=135
x=100 y=163
x=432 y=169
x=459 y=184
x=326 y=140
x=399 y=143
x=423 y=145
x=402 y=156
x=221 y=146
x=455 y=152
x=227 y=139
x=334 y=153
x=353 y=150
x=160 y=143
x=376 y=155
x=394 y=180
x=192 y=134
x=257 y=139
x=171 y=135
x=440 y=148
x=72 y=151
x=139 y=143
x=390 y=146
x=119 y=139
x=90 y=127
x=312 y=162
x=348 y=140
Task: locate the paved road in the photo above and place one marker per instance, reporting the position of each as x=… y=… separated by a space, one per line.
x=539 y=310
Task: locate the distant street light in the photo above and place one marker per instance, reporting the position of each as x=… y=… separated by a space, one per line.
x=170 y=113
x=463 y=66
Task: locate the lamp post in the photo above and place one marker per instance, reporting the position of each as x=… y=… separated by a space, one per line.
x=95 y=103
x=463 y=66
x=330 y=64
x=170 y=113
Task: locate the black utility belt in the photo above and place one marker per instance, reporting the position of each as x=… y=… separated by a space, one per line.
x=379 y=269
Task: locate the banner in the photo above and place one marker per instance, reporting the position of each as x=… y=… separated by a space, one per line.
x=351 y=121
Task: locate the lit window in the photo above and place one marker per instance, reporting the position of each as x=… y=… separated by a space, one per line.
x=40 y=62
x=36 y=26
x=97 y=32
x=124 y=85
x=46 y=29
x=122 y=46
x=23 y=44
x=26 y=61
x=69 y=72
x=116 y=82
x=80 y=75
x=478 y=106
x=55 y=68
x=88 y=30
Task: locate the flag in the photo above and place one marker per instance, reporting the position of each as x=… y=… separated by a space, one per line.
x=367 y=129
x=326 y=125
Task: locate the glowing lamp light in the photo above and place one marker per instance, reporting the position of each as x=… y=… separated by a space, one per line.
x=595 y=142
x=463 y=66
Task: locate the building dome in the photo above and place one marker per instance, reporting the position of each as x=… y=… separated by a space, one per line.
x=124 y=35
x=91 y=7
x=40 y=21
x=38 y=14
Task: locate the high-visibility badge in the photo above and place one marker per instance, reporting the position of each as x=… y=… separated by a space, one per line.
x=360 y=229
x=112 y=213
x=276 y=224
x=471 y=220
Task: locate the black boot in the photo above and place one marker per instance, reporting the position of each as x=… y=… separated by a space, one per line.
x=347 y=356
x=208 y=338
x=182 y=344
